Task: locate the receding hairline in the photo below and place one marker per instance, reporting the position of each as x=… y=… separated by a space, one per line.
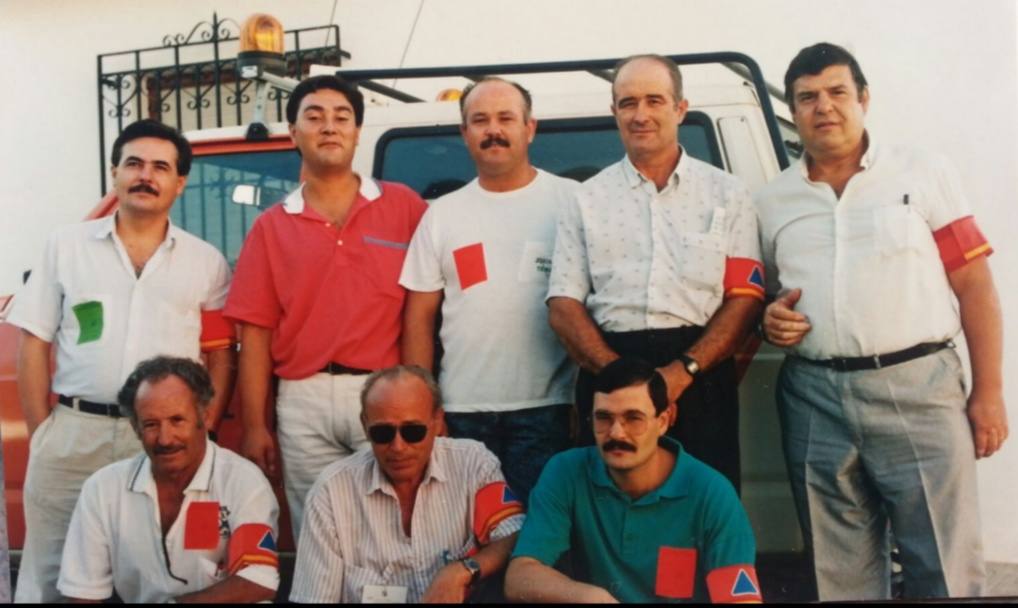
x=670 y=67
x=472 y=88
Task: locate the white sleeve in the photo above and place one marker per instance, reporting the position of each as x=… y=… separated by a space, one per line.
x=744 y=238
x=570 y=274
x=318 y=573
x=37 y=308
x=219 y=285
x=259 y=509
x=86 y=570
x=422 y=268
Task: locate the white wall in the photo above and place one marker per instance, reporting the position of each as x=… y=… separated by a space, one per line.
x=942 y=74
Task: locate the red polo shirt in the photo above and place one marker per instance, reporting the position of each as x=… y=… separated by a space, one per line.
x=330 y=295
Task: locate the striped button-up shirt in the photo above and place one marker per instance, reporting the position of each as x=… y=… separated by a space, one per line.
x=352 y=534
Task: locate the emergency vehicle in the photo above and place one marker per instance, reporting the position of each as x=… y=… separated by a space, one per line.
x=240 y=171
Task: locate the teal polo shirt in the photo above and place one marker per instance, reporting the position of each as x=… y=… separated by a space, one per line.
x=658 y=548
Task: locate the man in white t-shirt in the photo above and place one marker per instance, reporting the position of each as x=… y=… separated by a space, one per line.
x=187 y=521
x=482 y=254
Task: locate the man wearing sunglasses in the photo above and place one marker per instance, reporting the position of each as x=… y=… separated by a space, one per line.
x=643 y=520
x=418 y=518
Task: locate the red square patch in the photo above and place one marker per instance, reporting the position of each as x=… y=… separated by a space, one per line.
x=470 y=265
x=201 y=527
x=676 y=573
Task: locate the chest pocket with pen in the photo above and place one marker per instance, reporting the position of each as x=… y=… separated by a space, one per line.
x=701 y=259
x=899 y=228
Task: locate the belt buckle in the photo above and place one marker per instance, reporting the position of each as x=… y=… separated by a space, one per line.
x=876 y=362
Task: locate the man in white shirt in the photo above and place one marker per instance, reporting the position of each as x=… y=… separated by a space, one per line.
x=110 y=293
x=482 y=254
x=187 y=521
x=658 y=258
x=867 y=247
x=418 y=518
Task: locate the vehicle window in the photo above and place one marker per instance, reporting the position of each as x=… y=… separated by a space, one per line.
x=206 y=209
x=433 y=160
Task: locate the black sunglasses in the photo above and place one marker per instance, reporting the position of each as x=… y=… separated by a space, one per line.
x=413 y=432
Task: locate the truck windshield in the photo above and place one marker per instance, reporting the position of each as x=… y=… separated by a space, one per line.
x=205 y=208
x=433 y=160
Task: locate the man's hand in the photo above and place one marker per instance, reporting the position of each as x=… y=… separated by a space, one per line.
x=988 y=419
x=782 y=325
x=258 y=447
x=450 y=585
x=676 y=378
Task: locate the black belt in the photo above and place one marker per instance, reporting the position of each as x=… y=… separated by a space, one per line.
x=91 y=407
x=854 y=364
x=337 y=369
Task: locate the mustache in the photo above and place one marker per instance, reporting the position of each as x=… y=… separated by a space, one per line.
x=161 y=450
x=494 y=140
x=614 y=444
x=143 y=188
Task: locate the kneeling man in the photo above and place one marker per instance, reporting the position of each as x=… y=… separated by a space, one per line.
x=418 y=518
x=644 y=521
x=187 y=521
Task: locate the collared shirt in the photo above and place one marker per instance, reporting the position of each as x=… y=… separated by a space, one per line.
x=331 y=295
x=104 y=318
x=643 y=259
x=868 y=265
x=115 y=540
x=670 y=543
x=352 y=534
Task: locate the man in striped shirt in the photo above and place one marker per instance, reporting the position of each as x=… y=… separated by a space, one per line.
x=418 y=518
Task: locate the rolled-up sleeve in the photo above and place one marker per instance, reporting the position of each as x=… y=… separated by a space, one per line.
x=570 y=269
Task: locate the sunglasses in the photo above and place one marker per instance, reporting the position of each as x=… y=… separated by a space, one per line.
x=413 y=432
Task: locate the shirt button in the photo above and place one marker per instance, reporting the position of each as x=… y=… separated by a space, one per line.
x=329 y=224
x=339 y=242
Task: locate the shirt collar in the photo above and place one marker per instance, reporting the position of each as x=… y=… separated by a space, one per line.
x=294 y=202
x=437 y=470
x=676 y=485
x=143 y=482
x=107 y=225
x=868 y=156
x=635 y=179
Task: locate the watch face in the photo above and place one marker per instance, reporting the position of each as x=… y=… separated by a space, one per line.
x=474 y=568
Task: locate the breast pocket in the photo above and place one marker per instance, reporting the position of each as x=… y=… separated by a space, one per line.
x=383 y=259
x=899 y=228
x=701 y=260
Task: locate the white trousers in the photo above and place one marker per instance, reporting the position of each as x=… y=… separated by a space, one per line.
x=319 y=423
x=65 y=450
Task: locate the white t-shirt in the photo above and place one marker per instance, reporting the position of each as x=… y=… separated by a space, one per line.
x=491 y=253
x=85 y=297
x=115 y=540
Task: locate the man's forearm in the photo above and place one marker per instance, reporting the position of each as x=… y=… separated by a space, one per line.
x=726 y=331
x=417 y=345
x=495 y=555
x=33 y=379
x=579 y=334
x=222 y=371
x=979 y=308
x=234 y=590
x=529 y=581
x=254 y=374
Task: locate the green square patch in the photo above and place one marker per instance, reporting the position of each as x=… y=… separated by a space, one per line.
x=90 y=321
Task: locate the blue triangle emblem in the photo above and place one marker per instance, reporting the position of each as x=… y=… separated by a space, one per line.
x=508 y=496
x=744 y=585
x=268 y=543
x=756 y=277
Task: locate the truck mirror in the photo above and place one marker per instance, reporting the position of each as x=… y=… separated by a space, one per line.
x=246 y=194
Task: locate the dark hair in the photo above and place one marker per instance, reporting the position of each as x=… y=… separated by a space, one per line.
x=153 y=128
x=528 y=103
x=815 y=59
x=630 y=371
x=159 y=368
x=395 y=372
x=326 y=81
x=673 y=72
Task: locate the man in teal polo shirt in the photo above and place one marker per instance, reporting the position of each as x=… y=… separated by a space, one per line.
x=644 y=521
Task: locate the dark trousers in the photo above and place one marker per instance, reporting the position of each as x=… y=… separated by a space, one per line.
x=708 y=420
x=523 y=440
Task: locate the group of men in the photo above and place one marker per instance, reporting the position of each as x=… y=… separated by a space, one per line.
x=646 y=277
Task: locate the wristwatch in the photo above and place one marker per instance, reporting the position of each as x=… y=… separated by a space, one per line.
x=692 y=367
x=473 y=568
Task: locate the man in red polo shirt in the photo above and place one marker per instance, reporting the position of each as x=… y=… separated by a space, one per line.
x=317 y=295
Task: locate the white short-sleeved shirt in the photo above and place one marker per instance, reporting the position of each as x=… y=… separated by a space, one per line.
x=115 y=539
x=352 y=534
x=870 y=272
x=643 y=259
x=85 y=296
x=491 y=254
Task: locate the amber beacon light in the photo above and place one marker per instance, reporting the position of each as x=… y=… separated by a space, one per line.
x=261 y=46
